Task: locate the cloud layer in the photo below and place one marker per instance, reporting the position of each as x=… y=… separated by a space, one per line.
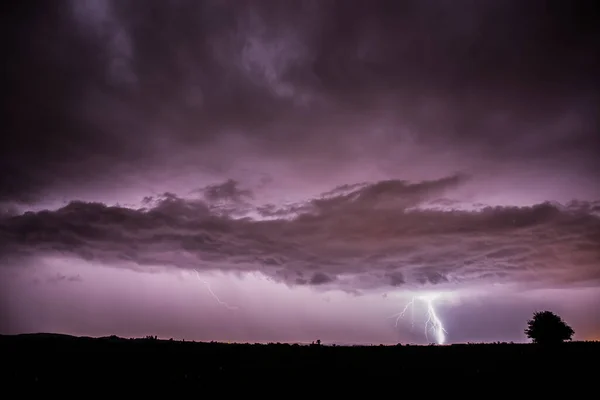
x=109 y=93
x=362 y=236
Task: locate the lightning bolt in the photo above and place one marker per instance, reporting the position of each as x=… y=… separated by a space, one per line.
x=432 y=324
x=227 y=306
x=401 y=314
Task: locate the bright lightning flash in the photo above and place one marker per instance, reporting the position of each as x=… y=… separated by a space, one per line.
x=227 y=306
x=432 y=324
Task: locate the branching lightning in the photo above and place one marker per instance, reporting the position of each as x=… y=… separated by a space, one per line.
x=432 y=324
x=229 y=307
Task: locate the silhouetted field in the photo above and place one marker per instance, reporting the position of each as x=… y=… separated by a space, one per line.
x=45 y=359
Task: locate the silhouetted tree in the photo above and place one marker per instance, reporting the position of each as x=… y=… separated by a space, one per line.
x=548 y=328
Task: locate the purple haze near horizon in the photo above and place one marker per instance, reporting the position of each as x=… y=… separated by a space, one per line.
x=312 y=164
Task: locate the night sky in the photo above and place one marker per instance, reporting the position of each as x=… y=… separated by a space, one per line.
x=289 y=171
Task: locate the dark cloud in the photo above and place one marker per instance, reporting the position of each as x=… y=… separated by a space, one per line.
x=320 y=278
x=64 y=278
x=396 y=278
x=375 y=235
x=99 y=88
x=228 y=191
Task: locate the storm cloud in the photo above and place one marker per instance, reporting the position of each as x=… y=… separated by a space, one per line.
x=143 y=91
x=374 y=236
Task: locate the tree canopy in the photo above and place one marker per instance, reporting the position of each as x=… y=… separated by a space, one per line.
x=548 y=328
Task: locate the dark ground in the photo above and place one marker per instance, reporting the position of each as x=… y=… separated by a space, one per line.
x=46 y=360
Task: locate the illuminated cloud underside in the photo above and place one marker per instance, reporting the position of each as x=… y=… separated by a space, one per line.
x=371 y=236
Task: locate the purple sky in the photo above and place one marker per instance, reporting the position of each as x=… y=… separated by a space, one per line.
x=292 y=171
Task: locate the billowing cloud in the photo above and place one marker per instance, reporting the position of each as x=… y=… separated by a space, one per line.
x=58 y=278
x=358 y=237
x=150 y=91
x=227 y=191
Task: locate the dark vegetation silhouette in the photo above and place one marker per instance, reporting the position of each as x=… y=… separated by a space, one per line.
x=548 y=328
x=49 y=360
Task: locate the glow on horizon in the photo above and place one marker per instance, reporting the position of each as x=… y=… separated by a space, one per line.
x=131 y=301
